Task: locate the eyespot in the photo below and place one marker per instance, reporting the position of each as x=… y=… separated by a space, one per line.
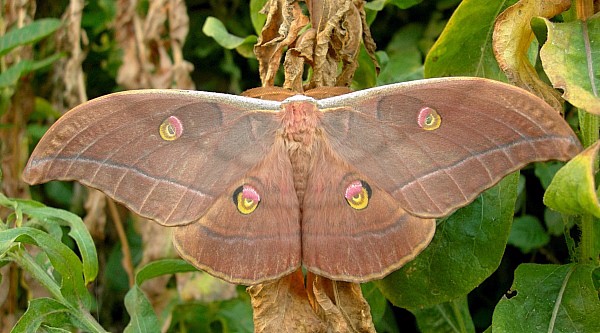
x=246 y=199
x=171 y=129
x=358 y=194
x=428 y=119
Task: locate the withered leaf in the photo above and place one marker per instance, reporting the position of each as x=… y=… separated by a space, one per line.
x=511 y=39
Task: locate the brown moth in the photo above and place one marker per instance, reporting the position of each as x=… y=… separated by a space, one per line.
x=347 y=186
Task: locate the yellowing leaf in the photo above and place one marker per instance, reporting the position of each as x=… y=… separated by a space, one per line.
x=571 y=59
x=572 y=190
x=511 y=41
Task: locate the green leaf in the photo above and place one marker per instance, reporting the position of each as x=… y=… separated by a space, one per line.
x=550 y=298
x=571 y=59
x=63 y=259
x=545 y=171
x=450 y=317
x=466 y=249
x=46 y=311
x=572 y=190
x=258 y=19
x=10 y=76
x=233 y=315
x=365 y=76
x=554 y=222
x=376 y=301
x=77 y=231
x=528 y=234
x=216 y=29
x=28 y=34
x=376 y=5
x=143 y=318
x=403 y=4
x=162 y=267
x=404 y=61
x=465 y=45
x=141 y=313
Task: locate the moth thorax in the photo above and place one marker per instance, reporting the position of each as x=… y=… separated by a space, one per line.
x=300 y=116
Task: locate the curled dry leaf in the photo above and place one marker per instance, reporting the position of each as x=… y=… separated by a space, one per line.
x=284 y=22
x=282 y=306
x=337 y=30
x=340 y=305
x=512 y=38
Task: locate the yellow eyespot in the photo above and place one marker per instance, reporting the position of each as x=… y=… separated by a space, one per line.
x=246 y=199
x=357 y=194
x=428 y=119
x=170 y=129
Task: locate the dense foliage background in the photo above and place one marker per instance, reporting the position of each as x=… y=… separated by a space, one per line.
x=55 y=55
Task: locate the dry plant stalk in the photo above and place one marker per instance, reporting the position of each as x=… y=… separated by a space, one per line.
x=147 y=41
x=14 y=150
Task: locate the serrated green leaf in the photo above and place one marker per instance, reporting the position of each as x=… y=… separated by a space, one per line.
x=571 y=59
x=466 y=249
x=28 y=34
x=77 y=231
x=63 y=259
x=572 y=190
x=465 y=45
x=216 y=29
x=550 y=298
x=10 y=76
x=527 y=234
x=45 y=311
x=448 y=317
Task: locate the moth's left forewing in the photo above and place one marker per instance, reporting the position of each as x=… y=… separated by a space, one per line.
x=165 y=154
x=436 y=144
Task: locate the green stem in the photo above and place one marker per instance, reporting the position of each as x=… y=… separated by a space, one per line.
x=590 y=127
x=589 y=248
x=27 y=263
x=590 y=240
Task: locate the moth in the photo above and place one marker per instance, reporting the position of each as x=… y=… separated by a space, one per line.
x=347 y=186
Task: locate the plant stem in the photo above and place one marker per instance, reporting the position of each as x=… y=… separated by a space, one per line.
x=590 y=240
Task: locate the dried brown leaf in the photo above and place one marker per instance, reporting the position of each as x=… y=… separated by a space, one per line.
x=282 y=306
x=284 y=22
x=512 y=38
x=340 y=304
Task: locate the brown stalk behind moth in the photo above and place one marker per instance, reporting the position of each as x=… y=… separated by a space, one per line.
x=348 y=186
